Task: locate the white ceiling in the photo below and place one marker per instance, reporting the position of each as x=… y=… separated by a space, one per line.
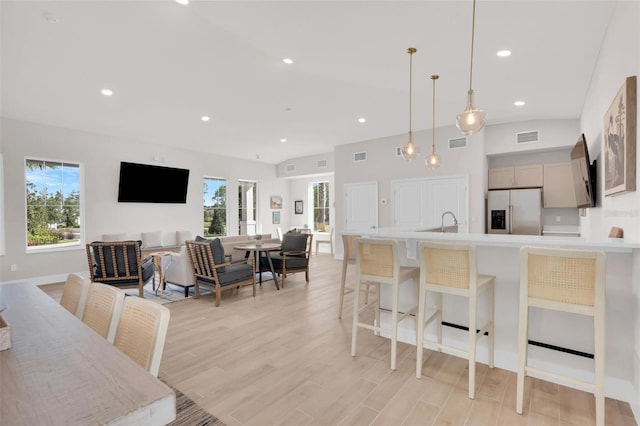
x=170 y=64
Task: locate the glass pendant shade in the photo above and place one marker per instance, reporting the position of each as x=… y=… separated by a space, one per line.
x=410 y=151
x=472 y=120
x=432 y=161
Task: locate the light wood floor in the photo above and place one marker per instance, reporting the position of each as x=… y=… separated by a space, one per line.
x=283 y=358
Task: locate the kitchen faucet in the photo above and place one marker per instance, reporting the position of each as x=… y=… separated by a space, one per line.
x=455 y=221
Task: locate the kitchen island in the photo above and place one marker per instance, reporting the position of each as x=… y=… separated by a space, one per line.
x=563 y=342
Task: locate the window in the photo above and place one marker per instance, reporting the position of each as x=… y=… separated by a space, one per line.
x=53 y=204
x=215 y=207
x=321 y=221
x=247 y=204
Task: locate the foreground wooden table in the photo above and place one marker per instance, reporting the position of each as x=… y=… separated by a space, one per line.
x=60 y=372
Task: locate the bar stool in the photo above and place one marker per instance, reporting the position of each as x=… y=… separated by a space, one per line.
x=447 y=268
x=377 y=261
x=349 y=258
x=568 y=281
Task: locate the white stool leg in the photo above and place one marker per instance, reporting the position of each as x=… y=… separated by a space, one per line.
x=599 y=367
x=342 y=286
x=438 y=320
x=523 y=333
x=491 y=294
x=473 y=338
x=356 y=316
x=394 y=324
x=377 y=318
x=422 y=291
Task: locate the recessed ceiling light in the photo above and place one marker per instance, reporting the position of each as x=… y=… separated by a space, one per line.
x=183 y=2
x=106 y=92
x=283 y=140
x=503 y=53
x=287 y=61
x=205 y=118
x=519 y=103
x=362 y=120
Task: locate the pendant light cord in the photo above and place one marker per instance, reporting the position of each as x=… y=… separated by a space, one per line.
x=473 y=31
x=433 y=129
x=410 y=83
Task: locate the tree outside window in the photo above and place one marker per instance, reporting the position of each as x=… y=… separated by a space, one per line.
x=215 y=207
x=321 y=222
x=52 y=203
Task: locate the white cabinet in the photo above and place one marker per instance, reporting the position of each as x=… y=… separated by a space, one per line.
x=516 y=177
x=558 y=190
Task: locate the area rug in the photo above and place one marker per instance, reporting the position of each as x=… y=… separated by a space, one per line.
x=172 y=293
x=188 y=413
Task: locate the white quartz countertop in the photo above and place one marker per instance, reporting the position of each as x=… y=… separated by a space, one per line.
x=496 y=240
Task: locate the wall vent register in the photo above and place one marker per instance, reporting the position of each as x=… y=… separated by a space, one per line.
x=458 y=143
x=321 y=164
x=291 y=167
x=359 y=156
x=528 y=137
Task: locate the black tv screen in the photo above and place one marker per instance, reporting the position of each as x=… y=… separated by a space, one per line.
x=584 y=174
x=144 y=183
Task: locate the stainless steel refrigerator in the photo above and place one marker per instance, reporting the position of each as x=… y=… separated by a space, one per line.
x=514 y=211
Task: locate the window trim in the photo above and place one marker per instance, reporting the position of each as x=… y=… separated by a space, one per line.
x=226 y=215
x=80 y=245
x=257 y=198
x=314 y=207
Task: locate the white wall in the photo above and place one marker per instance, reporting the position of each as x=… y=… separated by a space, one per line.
x=306 y=166
x=619 y=58
x=554 y=134
x=383 y=166
x=100 y=156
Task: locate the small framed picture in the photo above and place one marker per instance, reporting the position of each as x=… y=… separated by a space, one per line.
x=276 y=202
x=275 y=218
x=299 y=207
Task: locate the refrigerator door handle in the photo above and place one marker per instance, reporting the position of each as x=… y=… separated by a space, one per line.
x=510 y=219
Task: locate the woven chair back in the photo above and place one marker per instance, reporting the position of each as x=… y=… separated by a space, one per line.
x=142 y=331
x=115 y=261
x=102 y=312
x=562 y=278
x=375 y=257
x=348 y=242
x=448 y=265
x=74 y=294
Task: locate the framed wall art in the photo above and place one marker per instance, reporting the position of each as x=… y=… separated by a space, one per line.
x=276 y=202
x=619 y=135
x=299 y=207
x=275 y=218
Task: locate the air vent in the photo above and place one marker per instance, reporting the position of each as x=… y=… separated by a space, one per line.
x=398 y=151
x=321 y=164
x=291 y=167
x=458 y=142
x=528 y=137
x=359 y=156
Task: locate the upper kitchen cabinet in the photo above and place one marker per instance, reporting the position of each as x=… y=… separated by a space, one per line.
x=558 y=190
x=516 y=177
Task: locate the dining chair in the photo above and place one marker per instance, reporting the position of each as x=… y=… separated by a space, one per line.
x=102 y=312
x=74 y=294
x=142 y=331
x=329 y=242
x=377 y=261
x=451 y=269
x=563 y=280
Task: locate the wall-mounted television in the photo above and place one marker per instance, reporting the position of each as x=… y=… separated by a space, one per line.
x=145 y=183
x=584 y=174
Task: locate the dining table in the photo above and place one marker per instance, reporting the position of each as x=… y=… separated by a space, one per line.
x=257 y=249
x=58 y=371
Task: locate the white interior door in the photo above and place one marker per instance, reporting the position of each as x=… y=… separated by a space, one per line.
x=361 y=206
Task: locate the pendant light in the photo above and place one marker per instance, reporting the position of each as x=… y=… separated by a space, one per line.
x=433 y=160
x=472 y=120
x=410 y=151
